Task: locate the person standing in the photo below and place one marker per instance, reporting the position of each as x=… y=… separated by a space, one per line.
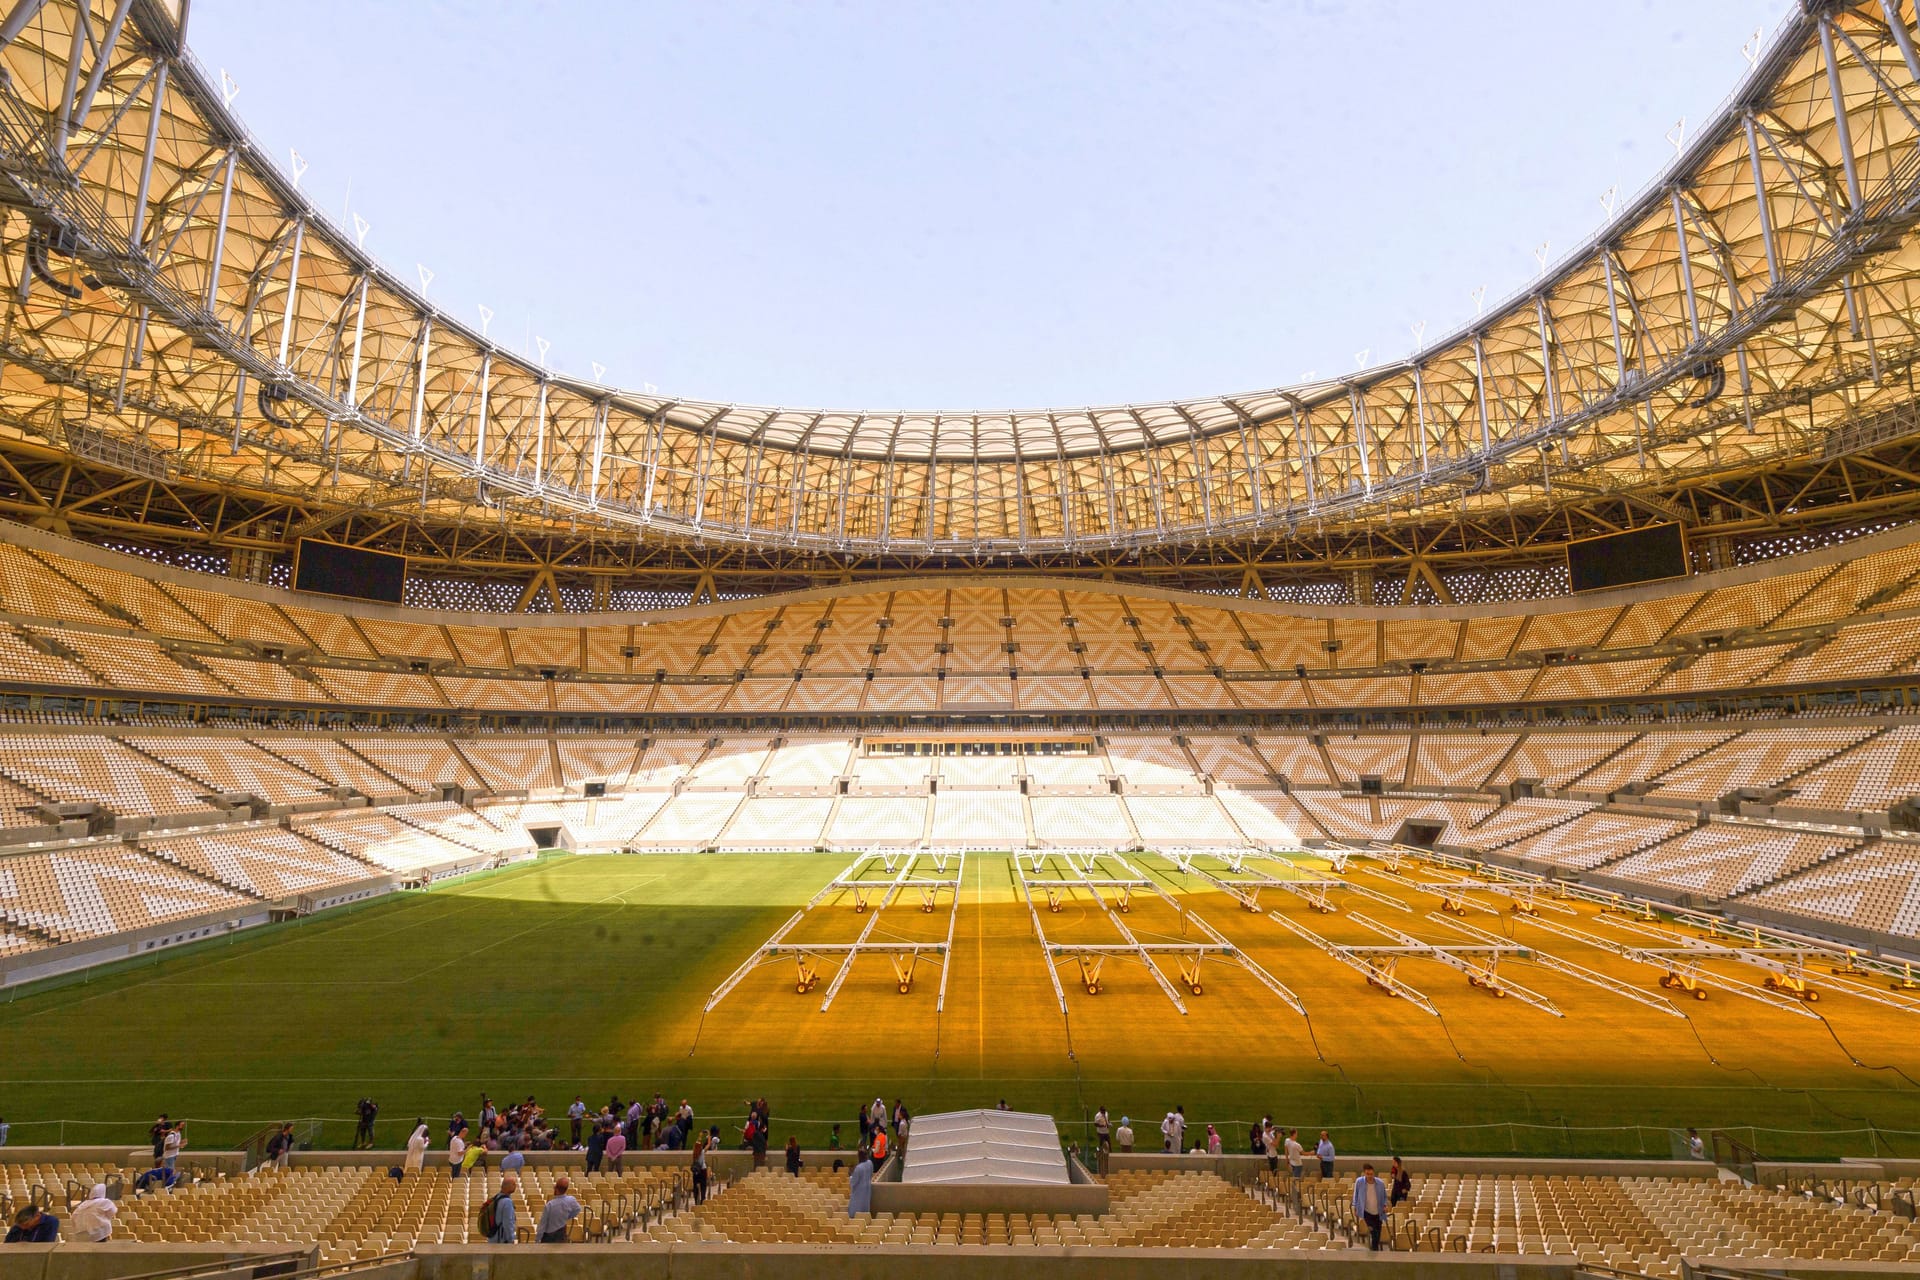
x=860 y=1186
x=1173 y=1131
x=1124 y=1136
x=416 y=1149
x=597 y=1145
x=1270 y=1144
x=280 y=1146
x=1696 y=1148
x=498 y=1216
x=793 y=1157
x=1399 y=1183
x=5 y=1129
x=1324 y=1150
x=561 y=1210
x=92 y=1219
x=750 y=1139
x=1102 y=1139
x=616 y=1147
x=366 y=1109
x=1296 y=1156
x=1370 y=1203
x=457 y=1153
x=575 y=1114
x=700 y=1170
x=170 y=1148
x=158 y=1132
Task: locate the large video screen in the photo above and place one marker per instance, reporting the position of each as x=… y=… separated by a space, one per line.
x=1621 y=559
x=332 y=569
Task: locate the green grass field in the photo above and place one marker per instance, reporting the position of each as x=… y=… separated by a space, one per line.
x=588 y=974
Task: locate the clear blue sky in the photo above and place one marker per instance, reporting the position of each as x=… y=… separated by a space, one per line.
x=896 y=204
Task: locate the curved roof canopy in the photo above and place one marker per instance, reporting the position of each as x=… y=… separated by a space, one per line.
x=187 y=308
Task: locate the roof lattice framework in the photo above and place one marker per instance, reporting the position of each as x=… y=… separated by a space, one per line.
x=193 y=315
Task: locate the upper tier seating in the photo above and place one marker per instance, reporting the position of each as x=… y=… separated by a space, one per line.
x=88 y=768
x=1882 y=772
x=511 y=764
x=232 y=765
x=334 y=763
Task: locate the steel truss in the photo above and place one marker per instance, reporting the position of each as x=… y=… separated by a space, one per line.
x=1527 y=895
x=1479 y=960
x=1244 y=884
x=1091 y=958
x=1752 y=307
x=904 y=956
x=1786 y=961
x=1845 y=963
x=1785 y=956
x=1681 y=968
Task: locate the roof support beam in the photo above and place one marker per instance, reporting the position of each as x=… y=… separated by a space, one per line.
x=1842 y=129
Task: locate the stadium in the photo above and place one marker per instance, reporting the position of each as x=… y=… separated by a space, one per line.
x=1505 y=758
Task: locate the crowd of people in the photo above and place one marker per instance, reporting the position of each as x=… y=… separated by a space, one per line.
x=1373 y=1197
x=605 y=1134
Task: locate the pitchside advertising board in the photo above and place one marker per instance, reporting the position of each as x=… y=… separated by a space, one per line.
x=1649 y=554
x=332 y=569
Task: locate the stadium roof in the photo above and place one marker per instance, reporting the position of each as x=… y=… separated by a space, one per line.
x=190 y=316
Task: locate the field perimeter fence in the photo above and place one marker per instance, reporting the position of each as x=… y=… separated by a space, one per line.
x=1378 y=1137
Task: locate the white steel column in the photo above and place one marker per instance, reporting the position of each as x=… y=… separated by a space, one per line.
x=1761 y=203
x=359 y=332
x=480 y=427
x=1842 y=131
x=293 y=289
x=220 y=233
x=146 y=162
x=420 y=380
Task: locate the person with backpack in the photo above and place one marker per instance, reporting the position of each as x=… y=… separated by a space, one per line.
x=497 y=1214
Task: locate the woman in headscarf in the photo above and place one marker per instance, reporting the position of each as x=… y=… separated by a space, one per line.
x=416 y=1149
x=92 y=1219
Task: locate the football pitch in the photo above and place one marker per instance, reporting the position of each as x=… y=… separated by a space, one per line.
x=591 y=975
